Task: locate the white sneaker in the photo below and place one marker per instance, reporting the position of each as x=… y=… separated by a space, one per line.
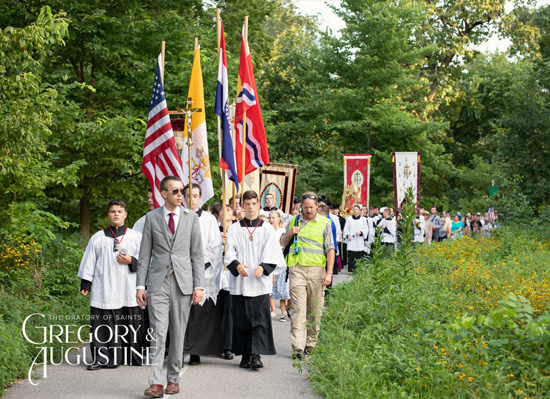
x=273 y=314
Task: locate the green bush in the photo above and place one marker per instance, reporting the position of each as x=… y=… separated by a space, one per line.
x=445 y=321
x=33 y=281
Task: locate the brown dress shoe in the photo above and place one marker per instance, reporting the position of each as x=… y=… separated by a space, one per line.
x=172 y=388
x=155 y=391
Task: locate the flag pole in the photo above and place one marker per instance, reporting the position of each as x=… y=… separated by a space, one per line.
x=243 y=165
x=190 y=140
x=220 y=136
x=162 y=52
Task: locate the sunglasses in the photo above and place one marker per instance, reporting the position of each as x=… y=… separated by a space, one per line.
x=310 y=196
x=175 y=191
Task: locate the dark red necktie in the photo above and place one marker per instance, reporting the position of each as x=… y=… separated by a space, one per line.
x=171 y=223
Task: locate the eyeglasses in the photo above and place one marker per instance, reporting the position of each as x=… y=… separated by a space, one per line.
x=310 y=196
x=175 y=191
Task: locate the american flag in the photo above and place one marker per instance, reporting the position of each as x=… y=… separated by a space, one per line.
x=160 y=155
x=491 y=214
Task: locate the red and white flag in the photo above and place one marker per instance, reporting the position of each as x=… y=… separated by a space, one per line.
x=257 y=154
x=160 y=155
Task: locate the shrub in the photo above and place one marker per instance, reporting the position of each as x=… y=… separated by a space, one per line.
x=461 y=319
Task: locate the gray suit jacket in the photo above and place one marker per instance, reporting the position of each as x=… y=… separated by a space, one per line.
x=157 y=252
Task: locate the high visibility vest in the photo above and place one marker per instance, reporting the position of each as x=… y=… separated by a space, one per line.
x=308 y=247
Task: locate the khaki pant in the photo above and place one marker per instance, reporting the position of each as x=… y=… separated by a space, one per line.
x=306 y=295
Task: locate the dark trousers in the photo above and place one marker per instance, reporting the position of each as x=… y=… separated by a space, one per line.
x=343 y=253
x=353 y=257
x=224 y=304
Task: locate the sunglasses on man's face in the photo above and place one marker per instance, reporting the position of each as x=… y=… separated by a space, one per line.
x=313 y=197
x=175 y=191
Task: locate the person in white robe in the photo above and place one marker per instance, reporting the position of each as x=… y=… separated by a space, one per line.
x=388 y=230
x=140 y=223
x=224 y=301
x=419 y=226
x=203 y=335
x=356 y=232
x=252 y=255
x=108 y=272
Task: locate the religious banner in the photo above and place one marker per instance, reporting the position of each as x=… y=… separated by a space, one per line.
x=406 y=173
x=357 y=174
x=493 y=191
x=279 y=180
x=251 y=182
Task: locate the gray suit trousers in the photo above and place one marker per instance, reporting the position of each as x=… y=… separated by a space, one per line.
x=168 y=311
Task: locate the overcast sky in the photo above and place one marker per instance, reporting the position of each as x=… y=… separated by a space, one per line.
x=328 y=19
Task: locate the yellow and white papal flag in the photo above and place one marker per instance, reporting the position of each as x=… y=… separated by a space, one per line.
x=200 y=161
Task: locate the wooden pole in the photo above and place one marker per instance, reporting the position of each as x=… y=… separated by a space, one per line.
x=162 y=52
x=234 y=138
x=243 y=165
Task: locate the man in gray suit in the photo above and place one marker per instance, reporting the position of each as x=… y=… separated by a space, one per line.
x=171 y=265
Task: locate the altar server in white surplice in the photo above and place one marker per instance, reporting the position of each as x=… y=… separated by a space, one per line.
x=253 y=255
x=204 y=333
x=356 y=233
x=108 y=272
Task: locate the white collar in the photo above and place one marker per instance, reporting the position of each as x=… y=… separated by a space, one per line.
x=176 y=211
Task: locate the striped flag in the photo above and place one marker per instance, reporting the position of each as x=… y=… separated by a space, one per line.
x=200 y=159
x=227 y=156
x=160 y=155
x=257 y=154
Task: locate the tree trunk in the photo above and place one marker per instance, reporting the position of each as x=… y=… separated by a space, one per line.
x=85 y=215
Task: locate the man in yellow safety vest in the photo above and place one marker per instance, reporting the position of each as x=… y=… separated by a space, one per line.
x=311 y=249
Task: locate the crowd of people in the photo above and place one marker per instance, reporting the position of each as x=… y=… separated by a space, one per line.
x=190 y=281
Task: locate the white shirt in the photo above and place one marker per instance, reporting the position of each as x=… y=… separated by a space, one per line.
x=356 y=243
x=113 y=285
x=264 y=248
x=419 y=231
x=177 y=212
x=391 y=225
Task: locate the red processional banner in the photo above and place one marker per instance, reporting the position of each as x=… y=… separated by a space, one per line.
x=357 y=174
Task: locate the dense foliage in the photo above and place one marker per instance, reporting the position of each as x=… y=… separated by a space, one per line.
x=34 y=281
x=75 y=82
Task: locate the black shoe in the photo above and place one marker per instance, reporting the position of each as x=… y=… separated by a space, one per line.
x=245 y=362
x=308 y=350
x=194 y=360
x=256 y=362
x=93 y=367
x=297 y=354
x=228 y=355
